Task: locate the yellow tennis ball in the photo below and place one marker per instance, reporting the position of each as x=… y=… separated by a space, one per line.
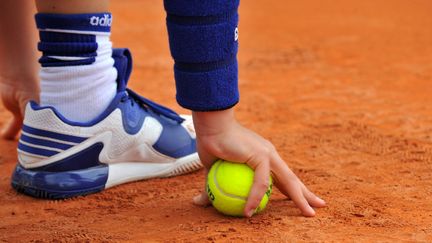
x=228 y=186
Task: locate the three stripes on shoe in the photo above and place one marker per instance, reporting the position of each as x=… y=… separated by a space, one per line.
x=42 y=143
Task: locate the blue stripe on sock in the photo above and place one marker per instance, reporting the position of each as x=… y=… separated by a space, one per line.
x=48 y=36
x=67 y=45
x=54 y=135
x=46 y=143
x=52 y=62
x=68 y=49
x=37 y=151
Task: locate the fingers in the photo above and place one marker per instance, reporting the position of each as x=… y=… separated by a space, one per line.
x=11 y=128
x=290 y=185
x=293 y=190
x=259 y=188
x=313 y=199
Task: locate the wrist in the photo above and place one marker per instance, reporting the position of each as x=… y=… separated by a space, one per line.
x=213 y=122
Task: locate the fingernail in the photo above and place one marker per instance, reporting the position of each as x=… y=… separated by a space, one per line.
x=250 y=213
x=311 y=212
x=320 y=199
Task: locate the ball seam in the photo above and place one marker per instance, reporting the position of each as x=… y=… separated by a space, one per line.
x=221 y=190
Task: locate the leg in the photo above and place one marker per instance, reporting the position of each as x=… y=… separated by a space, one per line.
x=89 y=132
x=18 y=62
x=77 y=74
x=72 y=6
x=19 y=71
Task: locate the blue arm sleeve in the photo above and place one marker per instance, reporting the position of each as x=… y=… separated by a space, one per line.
x=203 y=37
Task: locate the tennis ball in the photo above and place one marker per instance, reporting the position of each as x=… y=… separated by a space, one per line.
x=228 y=186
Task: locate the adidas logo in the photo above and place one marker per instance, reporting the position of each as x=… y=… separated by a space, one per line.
x=236 y=34
x=106 y=20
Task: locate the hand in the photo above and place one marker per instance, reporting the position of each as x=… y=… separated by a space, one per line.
x=19 y=71
x=219 y=136
x=15 y=96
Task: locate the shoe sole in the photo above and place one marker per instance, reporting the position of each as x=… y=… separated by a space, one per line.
x=67 y=184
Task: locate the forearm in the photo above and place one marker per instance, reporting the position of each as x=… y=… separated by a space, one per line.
x=17 y=48
x=72 y=6
x=213 y=122
x=203 y=38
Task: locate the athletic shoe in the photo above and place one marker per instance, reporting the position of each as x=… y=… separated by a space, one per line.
x=134 y=139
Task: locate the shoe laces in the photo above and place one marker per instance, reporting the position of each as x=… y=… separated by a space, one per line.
x=134 y=98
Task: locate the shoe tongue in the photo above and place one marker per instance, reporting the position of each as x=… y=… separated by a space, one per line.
x=123 y=63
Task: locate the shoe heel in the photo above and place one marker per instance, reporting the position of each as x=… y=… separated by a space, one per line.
x=59 y=185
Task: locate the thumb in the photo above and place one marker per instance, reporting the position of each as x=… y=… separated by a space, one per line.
x=207 y=160
x=202 y=198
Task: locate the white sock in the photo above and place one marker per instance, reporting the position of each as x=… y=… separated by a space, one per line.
x=80 y=92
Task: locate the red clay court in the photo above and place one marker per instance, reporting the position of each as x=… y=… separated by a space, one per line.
x=343 y=88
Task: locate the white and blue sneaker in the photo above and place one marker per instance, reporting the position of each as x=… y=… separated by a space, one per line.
x=134 y=139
